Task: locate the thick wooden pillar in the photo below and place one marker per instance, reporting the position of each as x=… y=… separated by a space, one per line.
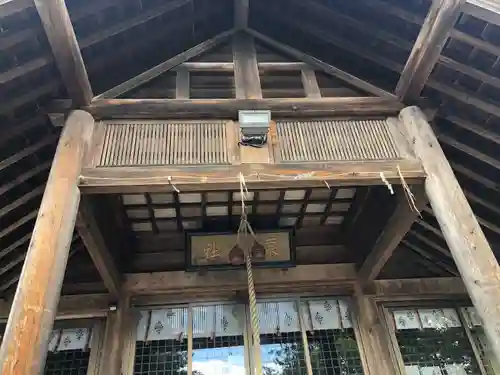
x=373 y=338
x=117 y=323
x=33 y=310
x=471 y=251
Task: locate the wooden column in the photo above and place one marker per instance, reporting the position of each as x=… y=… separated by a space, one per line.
x=24 y=347
x=471 y=251
x=373 y=337
x=114 y=336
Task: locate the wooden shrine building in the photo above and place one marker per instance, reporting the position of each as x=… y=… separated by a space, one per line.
x=277 y=187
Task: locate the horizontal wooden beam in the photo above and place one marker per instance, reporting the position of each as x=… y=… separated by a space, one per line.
x=72 y=306
x=263 y=176
x=228 y=282
x=154 y=72
x=228 y=108
x=229 y=66
x=414 y=289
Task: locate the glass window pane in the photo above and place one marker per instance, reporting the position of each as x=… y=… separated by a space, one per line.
x=218 y=343
x=433 y=342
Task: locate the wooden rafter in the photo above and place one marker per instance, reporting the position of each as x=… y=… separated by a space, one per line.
x=320 y=65
x=427 y=49
x=399 y=224
x=228 y=108
x=62 y=39
x=246 y=72
x=94 y=242
x=154 y=72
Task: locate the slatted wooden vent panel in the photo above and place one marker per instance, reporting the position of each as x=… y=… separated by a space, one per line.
x=164 y=143
x=332 y=140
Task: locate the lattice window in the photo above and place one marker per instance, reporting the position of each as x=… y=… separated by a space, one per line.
x=218 y=339
x=68 y=362
x=68 y=352
x=330 y=335
x=282 y=346
x=292 y=336
x=433 y=342
x=475 y=324
x=161 y=357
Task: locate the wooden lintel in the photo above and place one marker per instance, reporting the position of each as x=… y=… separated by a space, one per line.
x=228 y=282
x=79 y=306
x=263 y=176
x=469 y=247
x=407 y=211
x=94 y=242
x=62 y=39
x=414 y=289
x=426 y=51
x=154 y=72
x=246 y=73
x=24 y=346
x=320 y=65
x=228 y=108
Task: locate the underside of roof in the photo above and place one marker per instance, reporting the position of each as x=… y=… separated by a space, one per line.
x=370 y=39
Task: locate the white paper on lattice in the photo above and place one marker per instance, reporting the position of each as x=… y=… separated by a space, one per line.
x=430 y=370
x=455 y=369
x=229 y=320
x=325 y=314
x=142 y=326
x=277 y=317
x=472 y=316
x=288 y=317
x=406 y=319
x=54 y=340
x=69 y=339
x=426 y=318
x=168 y=324
x=439 y=318
x=268 y=317
x=345 y=314
x=204 y=321
x=412 y=370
